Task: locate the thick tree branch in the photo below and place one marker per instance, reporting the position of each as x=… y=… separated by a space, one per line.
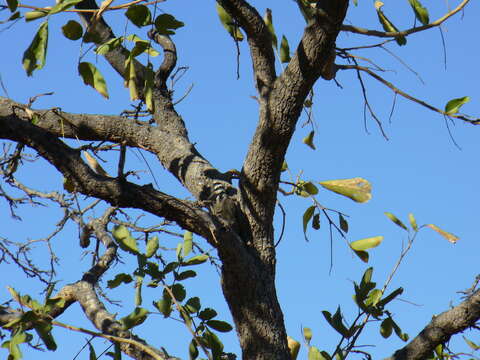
x=174 y=150
x=259 y=40
x=117 y=192
x=441 y=328
x=438 y=22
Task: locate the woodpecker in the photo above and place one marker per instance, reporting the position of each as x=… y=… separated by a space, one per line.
x=222 y=205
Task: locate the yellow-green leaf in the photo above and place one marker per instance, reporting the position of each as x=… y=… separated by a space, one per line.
x=308 y=140
x=187 y=243
x=454 y=105
x=387 y=24
x=34 y=15
x=357 y=189
x=307 y=334
x=35 y=55
x=94 y=164
x=269 y=22
x=307 y=215
x=386 y=328
x=229 y=24
x=421 y=13
x=63 y=5
x=396 y=220
x=136 y=317
x=449 y=236
x=152 y=246
x=284 y=50
x=124 y=239
x=92 y=77
x=413 y=222
x=367 y=243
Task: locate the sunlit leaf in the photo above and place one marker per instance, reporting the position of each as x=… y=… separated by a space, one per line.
x=454 y=105
x=136 y=317
x=63 y=5
x=396 y=220
x=373 y=297
x=35 y=55
x=357 y=189
x=470 y=343
x=199 y=259
x=109 y=45
x=367 y=243
x=34 y=15
x=166 y=24
x=139 y=15
x=269 y=22
x=308 y=140
x=315 y=354
x=449 y=236
x=126 y=241
x=164 y=306
x=421 y=13
x=187 y=243
x=92 y=77
x=413 y=222
x=403 y=336
x=293 y=346
x=387 y=24
x=284 y=166
x=307 y=334
x=72 y=30
x=284 y=50
x=307 y=215
x=94 y=164
x=152 y=246
x=229 y=24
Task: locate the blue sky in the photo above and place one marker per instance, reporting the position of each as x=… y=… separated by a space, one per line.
x=417 y=170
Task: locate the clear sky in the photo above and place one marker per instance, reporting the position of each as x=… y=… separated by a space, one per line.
x=418 y=170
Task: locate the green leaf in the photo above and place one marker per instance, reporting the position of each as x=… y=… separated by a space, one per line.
x=284 y=166
x=12 y=5
x=373 y=297
x=119 y=279
x=367 y=243
x=138 y=290
x=284 y=50
x=413 y=222
x=139 y=15
x=192 y=350
x=387 y=24
x=72 y=30
x=199 y=259
x=343 y=223
x=166 y=23
x=135 y=318
x=207 y=314
x=63 y=5
x=124 y=239
x=92 y=77
x=35 y=55
x=92 y=355
x=213 y=342
x=396 y=220
x=44 y=331
x=355 y=2
x=187 y=243
x=294 y=347
x=152 y=246
x=357 y=189
x=164 y=306
x=229 y=24
x=193 y=305
x=307 y=215
x=12 y=344
x=403 y=336
x=34 y=15
x=179 y=292
x=421 y=13
x=109 y=46
x=269 y=22
x=336 y=322
x=316 y=221
x=390 y=297
x=449 y=236
x=308 y=140
x=386 y=328
x=363 y=255
x=185 y=275
x=454 y=105
x=218 y=325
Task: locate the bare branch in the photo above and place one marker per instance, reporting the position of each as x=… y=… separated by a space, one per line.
x=438 y=22
x=473 y=121
x=441 y=328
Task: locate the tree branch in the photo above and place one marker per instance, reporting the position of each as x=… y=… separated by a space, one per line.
x=259 y=40
x=438 y=22
x=441 y=328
